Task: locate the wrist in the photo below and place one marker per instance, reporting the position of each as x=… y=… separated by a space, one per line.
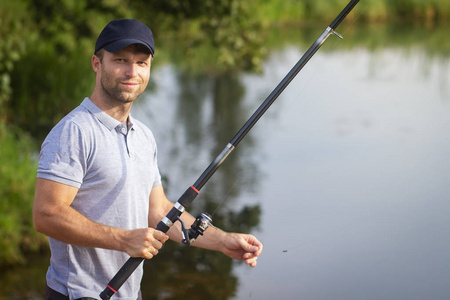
x=220 y=237
x=119 y=239
x=213 y=239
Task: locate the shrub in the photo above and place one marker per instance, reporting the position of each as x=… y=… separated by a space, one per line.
x=17 y=173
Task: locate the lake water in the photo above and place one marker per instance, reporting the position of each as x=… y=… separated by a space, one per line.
x=356 y=192
x=348 y=173
x=350 y=167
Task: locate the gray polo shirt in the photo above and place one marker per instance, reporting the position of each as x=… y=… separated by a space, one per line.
x=115 y=168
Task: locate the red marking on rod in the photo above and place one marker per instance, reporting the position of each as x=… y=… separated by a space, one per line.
x=192 y=187
x=111 y=288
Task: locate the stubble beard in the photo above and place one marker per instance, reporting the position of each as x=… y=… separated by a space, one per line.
x=115 y=93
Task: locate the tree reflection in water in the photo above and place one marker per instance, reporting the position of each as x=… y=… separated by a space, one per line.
x=181 y=272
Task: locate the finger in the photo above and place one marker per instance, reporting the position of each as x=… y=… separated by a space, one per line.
x=253 y=245
x=151 y=252
x=157 y=245
x=249 y=257
x=251 y=262
x=246 y=246
x=147 y=254
x=254 y=251
x=257 y=247
x=260 y=249
x=160 y=236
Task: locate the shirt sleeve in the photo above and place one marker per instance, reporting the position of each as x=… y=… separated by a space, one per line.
x=63 y=155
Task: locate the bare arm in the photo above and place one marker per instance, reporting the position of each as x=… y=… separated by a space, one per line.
x=238 y=246
x=53 y=216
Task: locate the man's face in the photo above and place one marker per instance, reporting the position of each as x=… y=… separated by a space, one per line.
x=124 y=75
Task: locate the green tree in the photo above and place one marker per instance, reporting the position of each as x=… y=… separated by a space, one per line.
x=14 y=39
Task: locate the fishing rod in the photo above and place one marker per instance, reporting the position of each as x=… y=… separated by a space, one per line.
x=202 y=222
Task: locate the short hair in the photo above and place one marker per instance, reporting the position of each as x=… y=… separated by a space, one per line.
x=100 y=53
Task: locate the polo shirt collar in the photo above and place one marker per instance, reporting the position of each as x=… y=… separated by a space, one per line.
x=108 y=121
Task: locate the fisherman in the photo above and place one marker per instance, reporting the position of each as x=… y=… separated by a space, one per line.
x=98 y=190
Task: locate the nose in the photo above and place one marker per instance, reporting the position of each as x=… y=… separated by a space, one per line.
x=131 y=70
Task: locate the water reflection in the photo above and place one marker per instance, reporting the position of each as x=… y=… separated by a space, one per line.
x=207 y=113
x=359 y=159
x=349 y=170
x=193 y=124
x=26 y=281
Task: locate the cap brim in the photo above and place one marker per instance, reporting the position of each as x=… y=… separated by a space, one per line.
x=120 y=44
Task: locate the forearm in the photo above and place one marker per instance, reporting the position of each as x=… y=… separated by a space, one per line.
x=160 y=206
x=238 y=246
x=212 y=238
x=65 y=224
x=235 y=245
x=54 y=217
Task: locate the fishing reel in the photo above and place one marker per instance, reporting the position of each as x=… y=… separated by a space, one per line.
x=199 y=226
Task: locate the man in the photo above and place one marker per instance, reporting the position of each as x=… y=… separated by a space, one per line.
x=98 y=192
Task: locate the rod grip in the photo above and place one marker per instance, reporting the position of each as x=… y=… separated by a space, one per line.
x=122 y=275
x=133 y=262
x=188 y=196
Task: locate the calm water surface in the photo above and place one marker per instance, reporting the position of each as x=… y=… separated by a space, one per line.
x=356 y=189
x=350 y=167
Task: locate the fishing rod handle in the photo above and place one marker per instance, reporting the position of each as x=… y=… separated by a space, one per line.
x=127 y=269
x=118 y=280
x=164 y=225
x=343 y=14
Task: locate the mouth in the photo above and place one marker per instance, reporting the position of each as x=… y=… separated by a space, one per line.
x=130 y=84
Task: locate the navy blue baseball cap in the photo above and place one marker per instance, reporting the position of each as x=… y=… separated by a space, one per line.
x=123 y=32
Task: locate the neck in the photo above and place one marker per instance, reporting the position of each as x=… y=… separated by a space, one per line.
x=118 y=110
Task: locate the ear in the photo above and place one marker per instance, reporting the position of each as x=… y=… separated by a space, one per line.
x=95 y=63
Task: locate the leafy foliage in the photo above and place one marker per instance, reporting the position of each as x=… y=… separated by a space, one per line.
x=13 y=44
x=17 y=173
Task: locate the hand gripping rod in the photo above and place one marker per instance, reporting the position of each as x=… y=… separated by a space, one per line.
x=189 y=195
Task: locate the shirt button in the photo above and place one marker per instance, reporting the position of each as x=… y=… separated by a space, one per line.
x=123 y=130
